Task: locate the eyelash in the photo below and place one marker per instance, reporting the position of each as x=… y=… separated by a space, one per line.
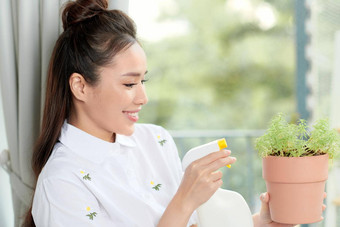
x=131 y=85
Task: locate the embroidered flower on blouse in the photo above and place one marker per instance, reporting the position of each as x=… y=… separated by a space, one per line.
x=161 y=141
x=87 y=176
x=157 y=187
x=91 y=215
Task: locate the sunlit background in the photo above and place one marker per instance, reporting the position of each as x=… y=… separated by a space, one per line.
x=223 y=68
x=219 y=69
x=217 y=64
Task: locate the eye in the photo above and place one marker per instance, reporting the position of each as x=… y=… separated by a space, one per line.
x=133 y=84
x=129 y=85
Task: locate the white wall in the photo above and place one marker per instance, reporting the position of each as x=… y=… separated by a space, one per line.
x=6 y=207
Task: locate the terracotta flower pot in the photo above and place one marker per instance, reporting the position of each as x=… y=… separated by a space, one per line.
x=296 y=187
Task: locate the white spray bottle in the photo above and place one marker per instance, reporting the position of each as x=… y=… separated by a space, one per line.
x=225 y=208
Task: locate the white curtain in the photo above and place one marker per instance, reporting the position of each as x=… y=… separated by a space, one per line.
x=333 y=185
x=335 y=91
x=28 y=31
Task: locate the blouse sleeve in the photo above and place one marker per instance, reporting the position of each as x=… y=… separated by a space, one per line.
x=59 y=202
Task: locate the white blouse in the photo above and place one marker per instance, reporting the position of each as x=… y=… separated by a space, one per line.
x=91 y=182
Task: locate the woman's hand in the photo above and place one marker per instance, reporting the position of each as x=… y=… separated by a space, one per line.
x=200 y=181
x=263 y=219
x=202 y=178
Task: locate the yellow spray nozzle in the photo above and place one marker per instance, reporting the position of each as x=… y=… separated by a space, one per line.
x=222 y=143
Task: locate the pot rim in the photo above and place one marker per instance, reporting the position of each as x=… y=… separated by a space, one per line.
x=295 y=169
x=305 y=157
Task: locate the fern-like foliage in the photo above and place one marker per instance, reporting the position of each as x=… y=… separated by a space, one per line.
x=322 y=140
x=295 y=140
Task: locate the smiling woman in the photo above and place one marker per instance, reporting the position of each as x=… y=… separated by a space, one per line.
x=90 y=158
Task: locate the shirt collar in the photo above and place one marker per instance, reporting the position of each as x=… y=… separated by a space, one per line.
x=125 y=140
x=91 y=147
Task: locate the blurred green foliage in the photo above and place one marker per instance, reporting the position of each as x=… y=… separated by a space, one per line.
x=225 y=72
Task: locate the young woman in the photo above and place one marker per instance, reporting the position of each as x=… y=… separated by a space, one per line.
x=94 y=165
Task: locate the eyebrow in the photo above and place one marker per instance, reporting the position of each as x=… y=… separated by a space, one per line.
x=134 y=73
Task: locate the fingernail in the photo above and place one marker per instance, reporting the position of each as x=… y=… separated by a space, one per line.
x=262 y=196
x=227 y=152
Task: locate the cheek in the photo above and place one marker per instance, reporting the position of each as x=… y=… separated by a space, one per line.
x=107 y=105
x=111 y=100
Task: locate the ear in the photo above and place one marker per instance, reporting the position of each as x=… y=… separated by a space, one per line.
x=77 y=86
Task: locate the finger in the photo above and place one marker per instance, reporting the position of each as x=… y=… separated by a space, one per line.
x=215 y=176
x=324 y=195
x=264 y=212
x=323 y=207
x=219 y=163
x=217 y=184
x=264 y=197
x=206 y=160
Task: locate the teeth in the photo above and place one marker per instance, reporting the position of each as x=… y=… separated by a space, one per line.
x=133 y=114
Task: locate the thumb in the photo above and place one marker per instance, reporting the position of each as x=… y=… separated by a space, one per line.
x=264 y=197
x=265 y=212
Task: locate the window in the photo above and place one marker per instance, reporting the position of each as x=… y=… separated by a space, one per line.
x=219 y=68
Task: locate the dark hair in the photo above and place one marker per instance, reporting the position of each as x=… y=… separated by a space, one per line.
x=92 y=36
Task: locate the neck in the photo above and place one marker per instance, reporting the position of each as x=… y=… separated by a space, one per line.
x=87 y=126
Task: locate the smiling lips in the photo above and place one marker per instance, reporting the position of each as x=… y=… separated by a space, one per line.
x=132 y=115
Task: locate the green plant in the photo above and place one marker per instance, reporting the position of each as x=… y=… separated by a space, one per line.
x=295 y=140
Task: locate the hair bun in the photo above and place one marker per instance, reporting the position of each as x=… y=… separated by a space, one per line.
x=80 y=10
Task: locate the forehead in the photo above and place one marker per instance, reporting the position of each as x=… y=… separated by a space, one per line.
x=132 y=58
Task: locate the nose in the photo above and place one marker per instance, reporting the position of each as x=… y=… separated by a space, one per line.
x=141 y=97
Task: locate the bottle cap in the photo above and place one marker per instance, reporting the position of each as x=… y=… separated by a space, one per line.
x=222 y=143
